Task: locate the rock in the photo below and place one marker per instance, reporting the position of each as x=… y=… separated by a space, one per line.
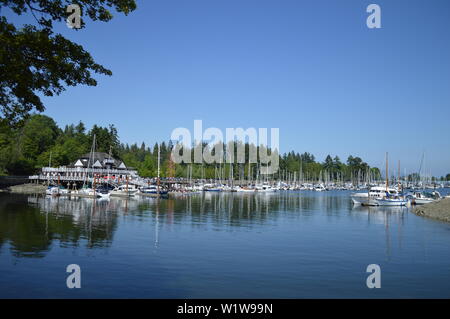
x=27 y=189
x=439 y=210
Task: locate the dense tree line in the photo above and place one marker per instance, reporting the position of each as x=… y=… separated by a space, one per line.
x=40 y=142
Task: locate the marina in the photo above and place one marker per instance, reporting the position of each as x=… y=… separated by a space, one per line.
x=200 y=151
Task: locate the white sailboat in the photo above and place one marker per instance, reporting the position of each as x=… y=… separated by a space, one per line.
x=388 y=199
x=379 y=195
x=154 y=190
x=91 y=192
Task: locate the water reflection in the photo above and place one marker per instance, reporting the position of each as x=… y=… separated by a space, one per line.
x=280 y=245
x=32 y=224
x=388 y=217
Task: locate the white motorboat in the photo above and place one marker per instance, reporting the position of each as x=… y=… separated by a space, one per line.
x=245 y=189
x=90 y=192
x=421 y=197
x=320 y=188
x=56 y=191
x=373 y=194
x=124 y=191
x=264 y=188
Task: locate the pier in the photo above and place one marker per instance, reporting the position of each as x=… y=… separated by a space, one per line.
x=68 y=174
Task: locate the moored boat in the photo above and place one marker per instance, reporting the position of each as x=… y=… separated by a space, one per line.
x=372 y=195
x=124 y=191
x=152 y=190
x=56 y=191
x=320 y=188
x=422 y=197
x=211 y=188
x=391 y=201
x=264 y=188
x=245 y=189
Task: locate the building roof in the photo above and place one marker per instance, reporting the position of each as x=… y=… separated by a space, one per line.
x=99 y=160
x=100 y=156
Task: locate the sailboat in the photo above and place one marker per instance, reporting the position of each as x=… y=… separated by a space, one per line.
x=154 y=190
x=86 y=191
x=388 y=199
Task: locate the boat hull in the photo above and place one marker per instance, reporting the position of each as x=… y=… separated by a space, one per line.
x=122 y=194
x=360 y=200
x=422 y=201
x=391 y=202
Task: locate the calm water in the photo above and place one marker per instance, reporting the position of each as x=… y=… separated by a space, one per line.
x=280 y=245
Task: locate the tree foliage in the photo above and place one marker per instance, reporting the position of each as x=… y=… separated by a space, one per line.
x=40 y=142
x=35 y=61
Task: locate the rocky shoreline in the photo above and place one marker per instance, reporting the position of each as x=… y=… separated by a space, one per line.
x=25 y=189
x=439 y=210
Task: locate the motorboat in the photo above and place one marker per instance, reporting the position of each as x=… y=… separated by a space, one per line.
x=320 y=188
x=211 y=188
x=56 y=191
x=245 y=189
x=370 y=197
x=124 y=190
x=93 y=193
x=152 y=190
x=102 y=192
x=264 y=188
x=422 y=197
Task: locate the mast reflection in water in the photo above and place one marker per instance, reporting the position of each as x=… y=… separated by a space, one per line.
x=212 y=245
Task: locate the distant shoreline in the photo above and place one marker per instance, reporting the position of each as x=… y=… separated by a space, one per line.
x=25 y=189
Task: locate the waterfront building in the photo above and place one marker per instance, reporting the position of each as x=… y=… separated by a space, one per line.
x=100 y=165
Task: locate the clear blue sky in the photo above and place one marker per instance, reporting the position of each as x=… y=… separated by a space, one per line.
x=311 y=68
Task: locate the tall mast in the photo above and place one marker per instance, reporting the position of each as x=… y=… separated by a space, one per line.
x=159 y=154
x=91 y=156
x=387 y=172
